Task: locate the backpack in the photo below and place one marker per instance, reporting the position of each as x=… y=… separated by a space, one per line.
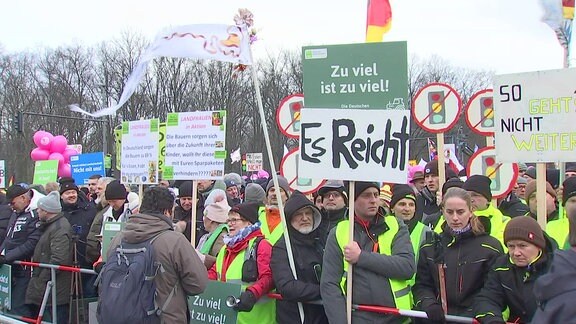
x=250 y=265
x=128 y=290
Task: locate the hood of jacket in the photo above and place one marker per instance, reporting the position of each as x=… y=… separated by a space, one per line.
x=141 y=227
x=298 y=201
x=560 y=277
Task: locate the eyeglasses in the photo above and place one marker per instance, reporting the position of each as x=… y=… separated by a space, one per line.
x=233 y=220
x=332 y=194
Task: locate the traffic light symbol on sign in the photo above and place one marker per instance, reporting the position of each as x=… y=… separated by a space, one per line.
x=490 y=169
x=486 y=112
x=244 y=162
x=295 y=108
x=436 y=107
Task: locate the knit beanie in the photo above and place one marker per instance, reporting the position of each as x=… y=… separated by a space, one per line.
x=570 y=167
x=553 y=177
x=50 y=203
x=185 y=189
x=282 y=182
x=360 y=186
x=218 y=210
x=531 y=189
x=522 y=167
x=248 y=211
x=431 y=168
x=68 y=186
x=115 y=191
x=531 y=172
x=401 y=191
x=521 y=180
x=524 y=228
x=452 y=183
x=480 y=184
x=254 y=193
x=569 y=189
x=386 y=193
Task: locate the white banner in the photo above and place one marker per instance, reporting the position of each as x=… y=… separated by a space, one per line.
x=195 y=145
x=140 y=152
x=535 y=114
x=254 y=162
x=355 y=144
x=226 y=43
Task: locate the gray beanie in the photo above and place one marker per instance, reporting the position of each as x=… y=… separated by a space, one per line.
x=282 y=183
x=50 y=203
x=254 y=193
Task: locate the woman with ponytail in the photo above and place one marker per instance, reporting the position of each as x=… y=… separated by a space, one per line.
x=466 y=253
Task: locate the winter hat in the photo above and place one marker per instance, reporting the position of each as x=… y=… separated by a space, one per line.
x=212 y=196
x=115 y=191
x=480 y=184
x=218 y=210
x=68 y=186
x=531 y=172
x=531 y=189
x=282 y=182
x=401 y=191
x=521 y=180
x=254 y=193
x=431 y=168
x=418 y=175
x=451 y=183
x=386 y=193
x=234 y=177
x=298 y=201
x=553 y=177
x=524 y=228
x=522 y=167
x=230 y=183
x=570 y=167
x=50 y=203
x=360 y=186
x=65 y=180
x=15 y=191
x=249 y=211
x=185 y=189
x=569 y=189
x=333 y=185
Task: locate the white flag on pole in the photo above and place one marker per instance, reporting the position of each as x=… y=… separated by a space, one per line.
x=226 y=43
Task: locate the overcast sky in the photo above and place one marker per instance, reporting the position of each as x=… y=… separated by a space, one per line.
x=505 y=36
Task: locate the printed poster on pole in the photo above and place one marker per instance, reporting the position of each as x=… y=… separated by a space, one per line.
x=355 y=124
x=2 y=174
x=140 y=152
x=254 y=162
x=534 y=116
x=195 y=145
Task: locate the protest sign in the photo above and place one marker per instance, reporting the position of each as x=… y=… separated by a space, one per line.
x=109 y=230
x=436 y=107
x=2 y=174
x=86 y=165
x=289 y=170
x=502 y=175
x=140 y=152
x=534 y=116
x=195 y=145
x=161 y=146
x=45 y=171
x=254 y=162
x=480 y=113
x=210 y=306
x=355 y=123
x=5 y=287
x=288 y=115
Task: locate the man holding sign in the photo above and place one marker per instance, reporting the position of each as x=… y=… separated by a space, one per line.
x=382 y=256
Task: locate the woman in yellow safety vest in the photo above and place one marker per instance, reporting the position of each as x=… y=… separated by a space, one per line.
x=464 y=252
x=245 y=259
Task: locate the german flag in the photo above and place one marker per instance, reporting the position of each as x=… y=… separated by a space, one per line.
x=379 y=19
x=568 y=9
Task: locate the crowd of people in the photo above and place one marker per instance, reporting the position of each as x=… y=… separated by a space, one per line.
x=449 y=249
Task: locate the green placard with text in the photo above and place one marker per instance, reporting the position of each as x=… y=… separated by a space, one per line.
x=109 y=231
x=210 y=306
x=356 y=76
x=45 y=171
x=5 y=287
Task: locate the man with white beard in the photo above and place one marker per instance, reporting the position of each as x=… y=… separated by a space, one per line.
x=303 y=219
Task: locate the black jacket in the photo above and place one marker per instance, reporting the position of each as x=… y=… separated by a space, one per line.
x=308 y=250
x=330 y=219
x=21 y=239
x=427 y=208
x=80 y=216
x=467 y=258
x=512 y=206
x=5 y=214
x=510 y=286
x=556 y=290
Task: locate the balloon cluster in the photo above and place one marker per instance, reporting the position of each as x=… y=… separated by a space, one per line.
x=50 y=147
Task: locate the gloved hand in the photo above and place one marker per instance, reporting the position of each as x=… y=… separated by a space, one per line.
x=436 y=313
x=98 y=267
x=247 y=301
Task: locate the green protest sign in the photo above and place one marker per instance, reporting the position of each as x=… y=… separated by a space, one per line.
x=5 y=287
x=109 y=230
x=45 y=171
x=210 y=306
x=356 y=76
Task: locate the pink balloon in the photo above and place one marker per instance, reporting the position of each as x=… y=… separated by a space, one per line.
x=64 y=170
x=262 y=174
x=43 y=139
x=57 y=156
x=68 y=153
x=59 y=144
x=39 y=154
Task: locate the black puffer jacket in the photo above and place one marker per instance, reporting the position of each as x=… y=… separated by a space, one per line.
x=21 y=239
x=510 y=286
x=308 y=250
x=80 y=216
x=467 y=258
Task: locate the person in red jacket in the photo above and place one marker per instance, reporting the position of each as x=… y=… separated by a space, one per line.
x=244 y=237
